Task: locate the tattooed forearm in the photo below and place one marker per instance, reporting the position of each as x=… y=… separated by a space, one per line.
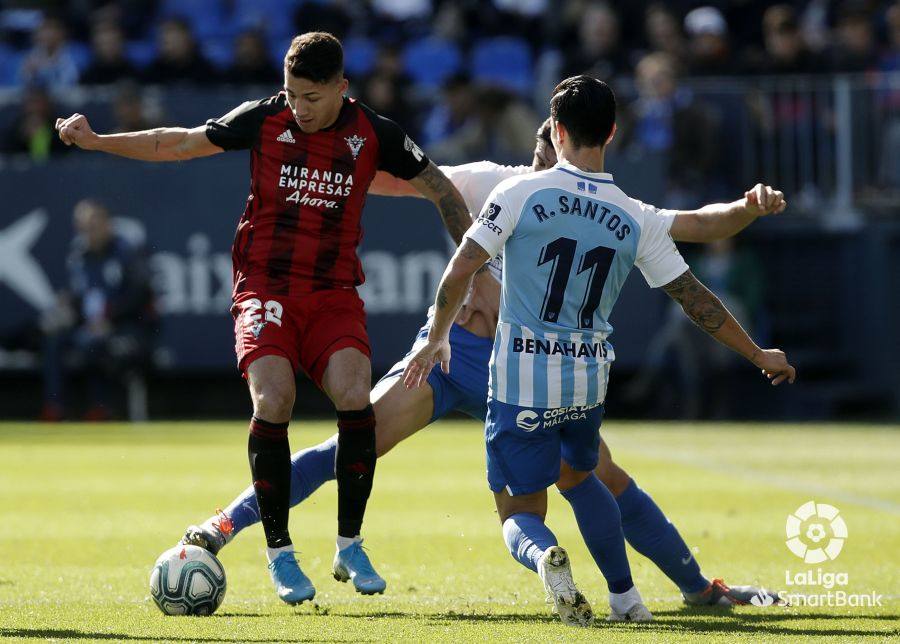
x=434 y=185
x=701 y=305
x=441 y=299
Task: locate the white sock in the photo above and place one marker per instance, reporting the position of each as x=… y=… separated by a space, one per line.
x=621 y=603
x=346 y=542
x=272 y=553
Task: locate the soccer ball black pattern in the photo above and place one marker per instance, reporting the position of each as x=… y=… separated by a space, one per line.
x=187 y=580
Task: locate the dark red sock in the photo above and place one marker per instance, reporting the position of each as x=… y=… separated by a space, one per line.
x=270 y=466
x=354 y=467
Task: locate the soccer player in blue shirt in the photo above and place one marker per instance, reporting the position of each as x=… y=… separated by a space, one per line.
x=569 y=238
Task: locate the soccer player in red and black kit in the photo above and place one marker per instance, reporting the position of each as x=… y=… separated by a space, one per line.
x=313 y=154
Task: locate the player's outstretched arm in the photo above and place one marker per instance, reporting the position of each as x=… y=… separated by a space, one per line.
x=159 y=144
x=437 y=188
x=451 y=293
x=722 y=220
x=708 y=312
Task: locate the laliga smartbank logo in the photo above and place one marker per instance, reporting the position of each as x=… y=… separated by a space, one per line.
x=815 y=532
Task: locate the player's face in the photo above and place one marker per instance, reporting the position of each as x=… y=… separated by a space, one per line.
x=544 y=156
x=315 y=105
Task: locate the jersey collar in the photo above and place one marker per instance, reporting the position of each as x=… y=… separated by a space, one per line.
x=602 y=177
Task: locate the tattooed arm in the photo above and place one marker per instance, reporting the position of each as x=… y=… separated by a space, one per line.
x=160 y=144
x=708 y=312
x=436 y=187
x=451 y=293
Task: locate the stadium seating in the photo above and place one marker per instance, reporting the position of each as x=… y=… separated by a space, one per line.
x=503 y=61
x=359 y=55
x=430 y=61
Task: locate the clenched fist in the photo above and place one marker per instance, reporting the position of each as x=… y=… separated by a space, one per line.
x=76 y=130
x=764 y=200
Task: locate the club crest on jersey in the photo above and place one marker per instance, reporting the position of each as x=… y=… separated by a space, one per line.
x=257 y=328
x=355 y=142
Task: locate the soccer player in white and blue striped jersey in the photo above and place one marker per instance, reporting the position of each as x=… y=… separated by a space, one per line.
x=569 y=238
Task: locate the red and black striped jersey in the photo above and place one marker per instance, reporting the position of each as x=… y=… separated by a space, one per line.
x=301 y=225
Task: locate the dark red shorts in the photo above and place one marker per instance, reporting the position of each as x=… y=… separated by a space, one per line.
x=307 y=330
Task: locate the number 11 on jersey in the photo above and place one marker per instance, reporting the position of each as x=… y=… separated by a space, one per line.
x=561 y=252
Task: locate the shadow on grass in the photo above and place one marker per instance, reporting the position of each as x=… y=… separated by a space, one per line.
x=687 y=621
x=70 y=634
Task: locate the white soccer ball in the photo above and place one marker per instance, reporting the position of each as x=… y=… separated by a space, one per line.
x=187 y=580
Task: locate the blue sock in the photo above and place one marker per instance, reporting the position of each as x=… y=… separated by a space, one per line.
x=650 y=533
x=600 y=524
x=527 y=537
x=310 y=468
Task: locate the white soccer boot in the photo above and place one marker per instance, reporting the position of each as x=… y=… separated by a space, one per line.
x=572 y=607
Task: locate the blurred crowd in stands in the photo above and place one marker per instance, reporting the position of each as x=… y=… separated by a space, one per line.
x=469 y=78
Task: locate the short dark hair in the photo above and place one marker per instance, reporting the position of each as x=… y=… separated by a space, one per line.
x=586 y=107
x=317 y=56
x=543 y=133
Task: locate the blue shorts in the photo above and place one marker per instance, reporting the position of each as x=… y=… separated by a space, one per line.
x=524 y=444
x=465 y=387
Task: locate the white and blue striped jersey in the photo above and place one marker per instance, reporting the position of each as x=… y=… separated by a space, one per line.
x=569 y=239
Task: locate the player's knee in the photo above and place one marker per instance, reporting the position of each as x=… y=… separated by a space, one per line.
x=613 y=477
x=569 y=478
x=274 y=403
x=353 y=395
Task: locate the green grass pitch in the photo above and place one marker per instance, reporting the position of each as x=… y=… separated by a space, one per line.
x=86 y=509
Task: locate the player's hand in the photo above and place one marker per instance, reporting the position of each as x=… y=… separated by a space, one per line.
x=763 y=200
x=421 y=363
x=76 y=130
x=775 y=366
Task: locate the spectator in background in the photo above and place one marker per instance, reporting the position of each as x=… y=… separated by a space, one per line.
x=665 y=119
x=129 y=110
x=785 y=51
x=104 y=322
x=385 y=94
x=108 y=61
x=386 y=88
x=396 y=20
x=252 y=64
x=455 y=110
x=704 y=369
x=889 y=102
x=33 y=132
x=663 y=33
x=179 y=59
x=855 y=46
x=890 y=61
x=49 y=63
x=502 y=130
x=709 y=51
x=336 y=17
x=597 y=49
